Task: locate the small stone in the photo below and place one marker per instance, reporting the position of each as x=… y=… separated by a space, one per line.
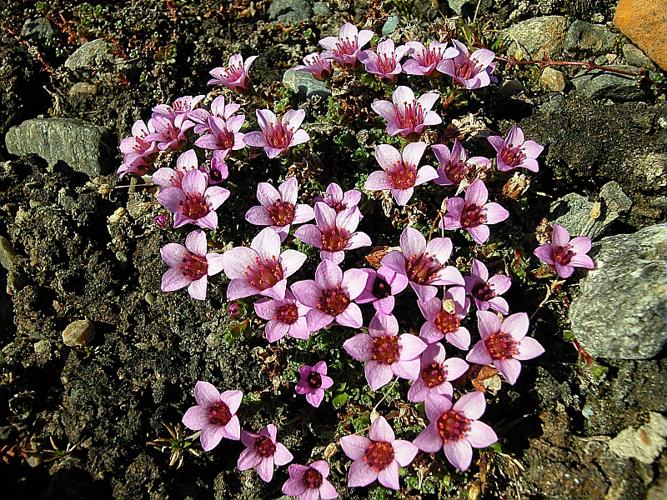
x=95 y=54
x=42 y=347
x=304 y=84
x=39 y=29
x=552 y=80
x=636 y=57
x=643 y=444
x=604 y=85
x=82 y=90
x=290 y=11
x=321 y=9
x=620 y=309
x=589 y=38
x=643 y=22
x=537 y=37
x=8 y=257
x=149 y=298
x=390 y=26
x=81 y=145
x=79 y=333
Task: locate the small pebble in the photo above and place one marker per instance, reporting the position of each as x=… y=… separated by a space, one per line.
x=553 y=80
x=79 y=333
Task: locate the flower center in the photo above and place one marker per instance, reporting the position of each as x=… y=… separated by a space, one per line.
x=421 y=269
x=233 y=72
x=334 y=238
x=562 y=255
x=338 y=206
x=282 y=213
x=194 y=206
x=467 y=69
x=265 y=447
x=434 y=374
x=472 y=215
x=386 y=62
x=512 y=156
x=264 y=274
x=215 y=176
x=333 y=301
x=501 y=346
x=452 y=426
x=193 y=266
x=385 y=349
x=456 y=171
x=346 y=46
x=483 y=291
x=412 y=115
x=428 y=57
x=402 y=176
x=219 y=414
x=314 y=380
x=287 y=313
x=381 y=288
x=446 y=322
x=312 y=479
x=379 y=455
x=279 y=136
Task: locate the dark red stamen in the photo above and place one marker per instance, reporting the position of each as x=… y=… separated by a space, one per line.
x=501 y=345
x=385 y=349
x=282 y=213
x=287 y=313
x=379 y=455
x=334 y=239
x=434 y=374
x=452 y=426
x=264 y=446
x=472 y=215
x=312 y=479
x=264 y=274
x=333 y=301
x=219 y=414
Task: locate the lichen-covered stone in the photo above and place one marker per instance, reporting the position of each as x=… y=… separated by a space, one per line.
x=537 y=37
x=643 y=22
x=604 y=85
x=304 y=84
x=589 y=38
x=79 y=333
x=290 y=11
x=620 y=309
x=553 y=80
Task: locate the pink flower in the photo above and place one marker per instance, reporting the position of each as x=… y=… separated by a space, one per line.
x=223 y=135
x=330 y=296
x=278 y=208
x=515 y=152
x=137 y=149
x=189 y=265
x=313 y=382
x=381 y=286
x=316 y=65
x=504 y=343
x=435 y=374
x=193 y=202
x=173 y=177
x=214 y=415
x=338 y=200
x=309 y=482
x=423 y=265
x=470 y=71
x=424 y=61
x=455 y=167
x=443 y=318
x=473 y=213
x=276 y=136
x=484 y=291
x=183 y=106
x=262 y=452
x=384 y=352
x=285 y=317
x=399 y=172
x=377 y=458
x=234 y=75
x=344 y=49
x=217 y=170
x=565 y=254
x=386 y=62
x=334 y=233
x=407 y=116
x=260 y=269
x=169 y=134
x=456 y=429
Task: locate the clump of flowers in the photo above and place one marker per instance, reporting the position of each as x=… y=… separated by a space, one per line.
x=235 y=74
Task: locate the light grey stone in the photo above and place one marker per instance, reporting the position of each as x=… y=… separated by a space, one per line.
x=92 y=55
x=537 y=37
x=604 y=85
x=644 y=443
x=458 y=5
x=589 y=38
x=81 y=145
x=290 y=11
x=390 y=25
x=39 y=29
x=79 y=333
x=577 y=211
x=552 y=80
x=321 y=9
x=8 y=257
x=304 y=84
x=636 y=57
x=620 y=310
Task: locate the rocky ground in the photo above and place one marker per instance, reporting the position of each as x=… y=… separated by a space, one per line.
x=95 y=360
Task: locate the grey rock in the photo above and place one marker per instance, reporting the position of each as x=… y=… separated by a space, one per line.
x=390 y=25
x=81 y=145
x=8 y=257
x=589 y=38
x=458 y=6
x=304 y=84
x=290 y=11
x=39 y=29
x=620 y=310
x=321 y=9
x=643 y=444
x=636 y=57
x=82 y=90
x=602 y=85
x=537 y=37
x=578 y=212
x=95 y=54
x=79 y=333
x=552 y=80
